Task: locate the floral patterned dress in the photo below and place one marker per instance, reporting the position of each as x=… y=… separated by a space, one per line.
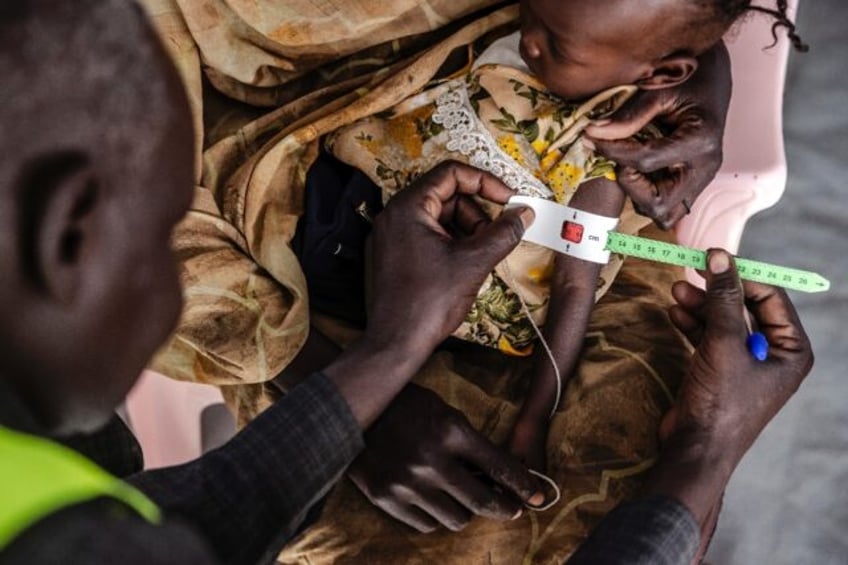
x=500 y=119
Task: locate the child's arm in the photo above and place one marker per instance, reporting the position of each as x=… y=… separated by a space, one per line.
x=572 y=299
x=318 y=352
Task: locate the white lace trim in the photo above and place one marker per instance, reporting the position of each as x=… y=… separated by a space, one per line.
x=469 y=136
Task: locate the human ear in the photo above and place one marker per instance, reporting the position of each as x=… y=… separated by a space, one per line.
x=60 y=200
x=671 y=71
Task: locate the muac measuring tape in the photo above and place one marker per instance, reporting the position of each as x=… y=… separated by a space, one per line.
x=592 y=238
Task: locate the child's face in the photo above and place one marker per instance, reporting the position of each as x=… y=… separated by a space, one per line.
x=579 y=48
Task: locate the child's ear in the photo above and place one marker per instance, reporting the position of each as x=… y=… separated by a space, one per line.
x=672 y=71
x=61 y=204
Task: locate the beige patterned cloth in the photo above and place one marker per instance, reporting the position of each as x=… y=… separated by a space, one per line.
x=267 y=81
x=246 y=313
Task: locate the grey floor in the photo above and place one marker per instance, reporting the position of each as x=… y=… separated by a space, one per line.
x=788 y=502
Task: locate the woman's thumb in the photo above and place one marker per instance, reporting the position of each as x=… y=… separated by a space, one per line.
x=630 y=119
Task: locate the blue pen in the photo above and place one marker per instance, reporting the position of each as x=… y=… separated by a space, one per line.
x=757 y=343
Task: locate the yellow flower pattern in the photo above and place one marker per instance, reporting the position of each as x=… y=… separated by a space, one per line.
x=540 y=146
x=541 y=275
x=505 y=346
x=510 y=146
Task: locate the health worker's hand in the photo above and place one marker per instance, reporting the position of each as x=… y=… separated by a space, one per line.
x=432 y=248
x=427 y=467
x=727 y=397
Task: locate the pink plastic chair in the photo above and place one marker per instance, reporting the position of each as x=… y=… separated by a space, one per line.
x=753 y=176
x=167 y=416
x=176 y=421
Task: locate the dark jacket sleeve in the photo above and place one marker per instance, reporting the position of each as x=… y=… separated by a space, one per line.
x=251 y=495
x=651 y=531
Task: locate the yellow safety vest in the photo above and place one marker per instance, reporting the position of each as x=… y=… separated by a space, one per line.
x=39 y=477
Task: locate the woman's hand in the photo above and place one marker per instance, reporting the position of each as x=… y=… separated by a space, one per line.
x=665 y=176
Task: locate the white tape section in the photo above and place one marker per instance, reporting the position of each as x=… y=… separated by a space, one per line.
x=567 y=230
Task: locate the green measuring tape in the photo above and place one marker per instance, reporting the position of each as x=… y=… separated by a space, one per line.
x=679 y=255
x=581 y=234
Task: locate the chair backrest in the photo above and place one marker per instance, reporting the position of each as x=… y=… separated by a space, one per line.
x=172 y=419
x=753 y=176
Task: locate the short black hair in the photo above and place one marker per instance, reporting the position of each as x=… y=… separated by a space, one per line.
x=80 y=74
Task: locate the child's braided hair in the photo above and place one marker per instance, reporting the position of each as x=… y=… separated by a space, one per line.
x=734 y=9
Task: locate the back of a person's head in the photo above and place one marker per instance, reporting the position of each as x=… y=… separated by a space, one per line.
x=82 y=74
x=95 y=168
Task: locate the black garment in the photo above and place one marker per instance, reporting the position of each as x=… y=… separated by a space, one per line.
x=651 y=531
x=341 y=203
x=105 y=532
x=113 y=447
x=242 y=501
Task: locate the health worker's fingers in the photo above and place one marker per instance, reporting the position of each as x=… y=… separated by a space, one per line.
x=502 y=468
